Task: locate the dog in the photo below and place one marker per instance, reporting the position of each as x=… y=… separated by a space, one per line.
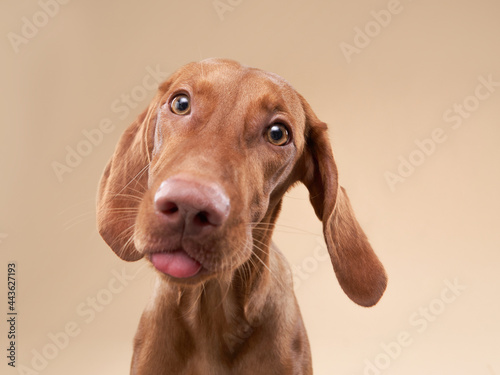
x=195 y=186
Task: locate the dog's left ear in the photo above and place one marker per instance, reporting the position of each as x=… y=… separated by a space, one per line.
x=358 y=270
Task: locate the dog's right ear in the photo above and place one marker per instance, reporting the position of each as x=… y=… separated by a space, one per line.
x=124 y=182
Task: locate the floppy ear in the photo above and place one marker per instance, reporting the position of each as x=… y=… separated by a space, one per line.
x=123 y=183
x=358 y=270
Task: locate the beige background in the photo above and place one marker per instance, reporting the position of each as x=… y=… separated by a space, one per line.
x=439 y=226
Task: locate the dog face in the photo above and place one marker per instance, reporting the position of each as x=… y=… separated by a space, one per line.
x=196 y=181
x=225 y=142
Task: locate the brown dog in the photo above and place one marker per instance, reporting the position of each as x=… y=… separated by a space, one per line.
x=195 y=186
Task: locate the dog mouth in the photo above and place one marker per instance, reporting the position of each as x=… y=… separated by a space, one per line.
x=177 y=264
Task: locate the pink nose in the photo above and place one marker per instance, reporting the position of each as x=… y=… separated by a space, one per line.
x=191 y=206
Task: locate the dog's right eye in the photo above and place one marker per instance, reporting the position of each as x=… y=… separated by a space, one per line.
x=180 y=105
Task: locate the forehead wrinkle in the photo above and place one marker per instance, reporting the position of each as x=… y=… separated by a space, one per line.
x=217 y=83
x=289 y=93
x=271 y=98
x=203 y=87
x=216 y=94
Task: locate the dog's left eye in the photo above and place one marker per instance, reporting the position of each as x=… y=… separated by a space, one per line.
x=277 y=135
x=180 y=105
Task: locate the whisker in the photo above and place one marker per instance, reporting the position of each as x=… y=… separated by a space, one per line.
x=257 y=225
x=127 y=244
x=263 y=230
x=122 y=234
x=129 y=195
x=78 y=219
x=123 y=209
x=76 y=204
x=137 y=175
x=78 y=222
x=139 y=192
x=264 y=264
x=257 y=247
x=296 y=198
x=121 y=218
x=276 y=252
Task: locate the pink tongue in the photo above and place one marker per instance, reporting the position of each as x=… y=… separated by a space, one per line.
x=177 y=264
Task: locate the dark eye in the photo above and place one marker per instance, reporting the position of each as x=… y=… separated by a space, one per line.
x=181 y=105
x=277 y=134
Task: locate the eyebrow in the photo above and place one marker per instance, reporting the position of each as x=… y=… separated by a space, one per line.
x=272 y=102
x=202 y=87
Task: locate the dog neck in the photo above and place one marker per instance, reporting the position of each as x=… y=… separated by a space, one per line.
x=222 y=313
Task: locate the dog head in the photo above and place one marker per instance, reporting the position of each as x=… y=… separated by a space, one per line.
x=196 y=182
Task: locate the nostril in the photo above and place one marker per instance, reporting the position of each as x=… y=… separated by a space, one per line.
x=201 y=218
x=168 y=208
